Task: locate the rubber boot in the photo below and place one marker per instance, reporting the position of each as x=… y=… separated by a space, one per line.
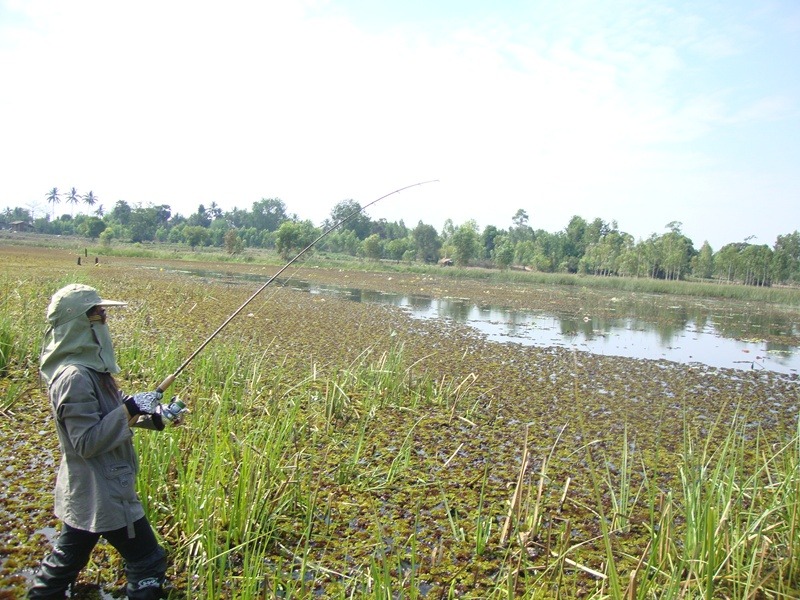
x=146 y=576
x=57 y=572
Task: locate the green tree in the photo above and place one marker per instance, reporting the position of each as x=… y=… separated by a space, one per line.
x=92 y=227
x=575 y=243
x=520 y=230
x=448 y=229
x=757 y=263
x=294 y=236
x=195 y=235
x=387 y=230
x=175 y=234
x=268 y=239
x=201 y=218
x=595 y=231
x=373 y=247
x=233 y=243
x=143 y=224
x=524 y=252
x=726 y=262
x=396 y=249
x=604 y=256
x=503 y=253
x=344 y=241
x=267 y=214
x=488 y=238
x=354 y=218
x=548 y=250
x=786 y=260
x=238 y=218
x=217 y=231
x=703 y=262
x=426 y=242
x=161 y=214
x=466 y=243
x=650 y=252
x=108 y=235
x=630 y=263
x=676 y=252
x=121 y=213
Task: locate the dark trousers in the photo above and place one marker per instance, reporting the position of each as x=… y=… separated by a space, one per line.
x=145 y=561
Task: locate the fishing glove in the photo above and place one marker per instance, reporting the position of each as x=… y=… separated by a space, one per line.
x=143 y=403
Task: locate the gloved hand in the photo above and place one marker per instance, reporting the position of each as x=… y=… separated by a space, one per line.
x=143 y=403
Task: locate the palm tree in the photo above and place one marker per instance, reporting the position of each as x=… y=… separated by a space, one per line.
x=53 y=198
x=90 y=199
x=73 y=199
x=215 y=211
x=99 y=212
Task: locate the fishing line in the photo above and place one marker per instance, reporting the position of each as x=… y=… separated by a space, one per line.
x=164 y=385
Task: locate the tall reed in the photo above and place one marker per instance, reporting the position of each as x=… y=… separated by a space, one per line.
x=350 y=481
x=245 y=509
x=729 y=530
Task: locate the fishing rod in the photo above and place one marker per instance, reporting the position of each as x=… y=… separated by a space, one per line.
x=164 y=385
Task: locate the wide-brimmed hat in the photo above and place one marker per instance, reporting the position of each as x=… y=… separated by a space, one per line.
x=74 y=300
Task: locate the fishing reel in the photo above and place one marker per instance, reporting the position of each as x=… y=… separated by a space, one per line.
x=171 y=413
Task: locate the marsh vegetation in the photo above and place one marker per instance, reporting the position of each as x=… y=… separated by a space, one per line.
x=341 y=450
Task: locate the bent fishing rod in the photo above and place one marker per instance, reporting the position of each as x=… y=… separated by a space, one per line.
x=164 y=385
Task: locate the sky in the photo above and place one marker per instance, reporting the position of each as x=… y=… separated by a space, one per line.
x=641 y=112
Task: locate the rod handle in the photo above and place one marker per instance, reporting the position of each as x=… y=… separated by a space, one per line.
x=164 y=385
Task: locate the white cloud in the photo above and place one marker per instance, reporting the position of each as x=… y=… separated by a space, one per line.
x=770 y=108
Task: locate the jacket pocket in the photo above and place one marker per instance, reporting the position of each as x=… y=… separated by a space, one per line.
x=120 y=477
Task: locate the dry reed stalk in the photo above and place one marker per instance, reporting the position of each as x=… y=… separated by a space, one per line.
x=580 y=567
x=514 y=505
x=453 y=455
x=537 y=506
x=564 y=494
x=630 y=593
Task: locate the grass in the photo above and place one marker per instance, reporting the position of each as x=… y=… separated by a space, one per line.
x=6 y=344
x=20 y=340
x=245 y=495
x=332 y=453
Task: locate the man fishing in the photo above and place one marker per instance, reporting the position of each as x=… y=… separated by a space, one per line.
x=95 y=487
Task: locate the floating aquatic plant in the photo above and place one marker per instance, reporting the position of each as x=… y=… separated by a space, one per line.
x=340 y=450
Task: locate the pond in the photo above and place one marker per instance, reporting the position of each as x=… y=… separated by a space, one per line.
x=712 y=336
x=683 y=340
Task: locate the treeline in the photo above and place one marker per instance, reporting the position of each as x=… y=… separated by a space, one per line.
x=587 y=247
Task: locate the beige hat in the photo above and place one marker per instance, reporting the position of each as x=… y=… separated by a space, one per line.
x=74 y=300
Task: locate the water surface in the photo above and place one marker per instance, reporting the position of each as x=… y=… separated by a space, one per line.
x=685 y=338
x=711 y=335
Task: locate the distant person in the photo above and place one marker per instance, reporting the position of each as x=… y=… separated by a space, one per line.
x=95 y=488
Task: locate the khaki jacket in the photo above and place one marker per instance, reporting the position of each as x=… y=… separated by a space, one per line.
x=95 y=487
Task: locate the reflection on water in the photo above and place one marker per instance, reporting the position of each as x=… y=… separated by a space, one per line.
x=687 y=336
x=712 y=335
